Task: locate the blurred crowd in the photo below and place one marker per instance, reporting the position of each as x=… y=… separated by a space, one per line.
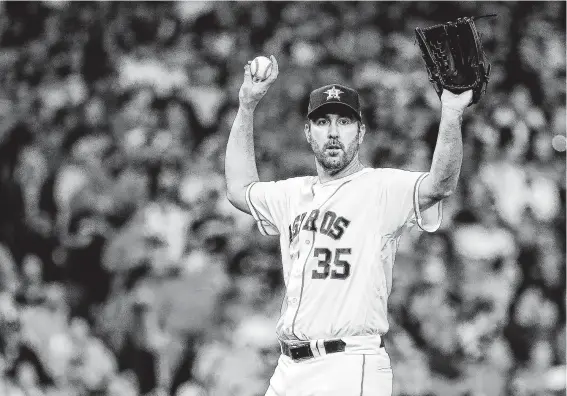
x=124 y=270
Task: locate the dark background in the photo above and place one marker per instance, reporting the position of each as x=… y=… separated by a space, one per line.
x=125 y=271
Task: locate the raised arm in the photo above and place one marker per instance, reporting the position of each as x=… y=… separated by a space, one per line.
x=240 y=161
x=447 y=158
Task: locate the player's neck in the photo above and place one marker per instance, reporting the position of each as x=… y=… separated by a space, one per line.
x=354 y=166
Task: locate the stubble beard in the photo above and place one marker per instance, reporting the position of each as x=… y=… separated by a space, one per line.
x=335 y=164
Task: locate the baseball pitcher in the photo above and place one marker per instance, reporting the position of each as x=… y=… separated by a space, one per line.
x=339 y=232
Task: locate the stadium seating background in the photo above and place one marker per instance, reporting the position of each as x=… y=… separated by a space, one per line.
x=125 y=271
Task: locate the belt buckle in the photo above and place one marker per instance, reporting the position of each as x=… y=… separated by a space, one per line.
x=294 y=351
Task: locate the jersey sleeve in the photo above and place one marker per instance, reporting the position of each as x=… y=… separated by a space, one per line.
x=267 y=202
x=400 y=202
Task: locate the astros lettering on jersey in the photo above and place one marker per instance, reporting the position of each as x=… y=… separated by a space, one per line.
x=338 y=243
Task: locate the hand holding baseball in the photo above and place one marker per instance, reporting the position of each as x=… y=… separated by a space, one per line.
x=252 y=90
x=261 y=68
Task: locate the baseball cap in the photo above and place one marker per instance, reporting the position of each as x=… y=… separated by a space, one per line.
x=335 y=94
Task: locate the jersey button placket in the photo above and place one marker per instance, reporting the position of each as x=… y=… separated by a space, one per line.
x=295 y=284
x=293 y=291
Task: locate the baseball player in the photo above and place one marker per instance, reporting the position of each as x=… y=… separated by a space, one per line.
x=339 y=231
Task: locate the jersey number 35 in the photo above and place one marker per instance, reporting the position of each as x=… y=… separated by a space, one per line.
x=341 y=267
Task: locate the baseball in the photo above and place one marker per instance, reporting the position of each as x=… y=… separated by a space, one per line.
x=260 y=68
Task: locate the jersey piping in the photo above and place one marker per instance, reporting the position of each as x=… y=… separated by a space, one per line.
x=417 y=210
x=362 y=376
x=254 y=212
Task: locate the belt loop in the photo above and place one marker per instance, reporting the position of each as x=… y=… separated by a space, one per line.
x=314 y=350
x=321 y=346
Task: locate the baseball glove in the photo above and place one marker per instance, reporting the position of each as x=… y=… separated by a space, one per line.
x=454 y=57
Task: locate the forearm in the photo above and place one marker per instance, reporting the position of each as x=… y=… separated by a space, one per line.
x=240 y=160
x=448 y=155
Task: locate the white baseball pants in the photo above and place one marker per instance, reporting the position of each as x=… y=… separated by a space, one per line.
x=337 y=374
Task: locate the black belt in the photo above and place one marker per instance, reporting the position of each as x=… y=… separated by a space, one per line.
x=302 y=350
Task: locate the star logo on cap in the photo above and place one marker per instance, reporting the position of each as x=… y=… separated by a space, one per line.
x=333 y=93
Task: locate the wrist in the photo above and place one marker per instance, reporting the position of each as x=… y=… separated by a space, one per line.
x=248 y=107
x=448 y=109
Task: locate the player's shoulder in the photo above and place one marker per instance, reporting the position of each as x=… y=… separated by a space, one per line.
x=291 y=184
x=386 y=174
x=298 y=181
x=383 y=172
x=393 y=171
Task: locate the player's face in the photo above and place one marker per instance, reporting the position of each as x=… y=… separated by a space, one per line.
x=335 y=139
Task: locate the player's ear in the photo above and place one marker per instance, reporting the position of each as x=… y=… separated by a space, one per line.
x=307 y=131
x=362 y=132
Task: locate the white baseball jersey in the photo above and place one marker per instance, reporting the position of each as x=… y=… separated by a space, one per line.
x=338 y=244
